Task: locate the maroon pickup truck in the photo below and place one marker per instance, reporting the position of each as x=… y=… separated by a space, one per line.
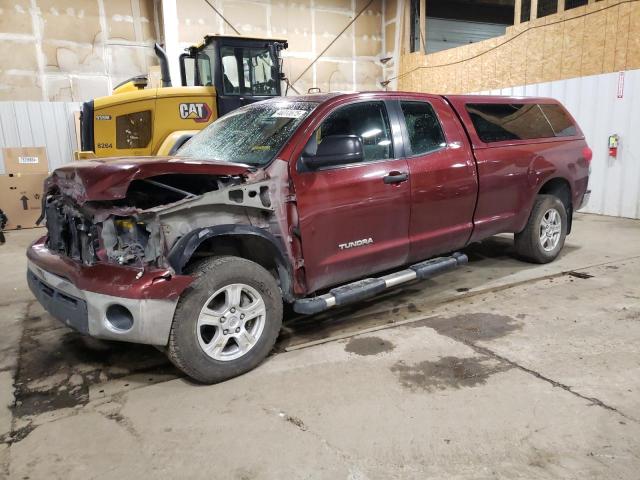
x=317 y=201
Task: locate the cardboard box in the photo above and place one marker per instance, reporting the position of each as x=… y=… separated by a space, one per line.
x=25 y=160
x=21 y=199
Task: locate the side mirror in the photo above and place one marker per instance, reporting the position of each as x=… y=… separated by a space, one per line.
x=333 y=150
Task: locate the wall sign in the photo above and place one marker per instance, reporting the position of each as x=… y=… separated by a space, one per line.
x=621 y=85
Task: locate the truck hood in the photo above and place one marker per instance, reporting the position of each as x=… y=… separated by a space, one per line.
x=109 y=179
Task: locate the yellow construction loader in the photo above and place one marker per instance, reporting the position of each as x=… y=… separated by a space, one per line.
x=219 y=75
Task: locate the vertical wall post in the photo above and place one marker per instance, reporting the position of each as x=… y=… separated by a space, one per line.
x=170 y=33
x=534 y=10
x=406 y=26
x=423 y=26
x=517 y=11
x=560 y=6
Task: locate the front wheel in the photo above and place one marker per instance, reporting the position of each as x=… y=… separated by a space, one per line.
x=543 y=237
x=227 y=321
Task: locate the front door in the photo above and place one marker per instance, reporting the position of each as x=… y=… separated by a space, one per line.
x=354 y=218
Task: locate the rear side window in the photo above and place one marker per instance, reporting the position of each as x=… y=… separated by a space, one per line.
x=425 y=132
x=560 y=122
x=497 y=122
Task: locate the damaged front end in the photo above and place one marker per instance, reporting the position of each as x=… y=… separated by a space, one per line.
x=143 y=226
x=112 y=262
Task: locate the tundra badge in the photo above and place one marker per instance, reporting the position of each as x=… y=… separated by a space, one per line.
x=357 y=243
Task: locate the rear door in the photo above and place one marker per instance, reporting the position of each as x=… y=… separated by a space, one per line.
x=443 y=176
x=353 y=222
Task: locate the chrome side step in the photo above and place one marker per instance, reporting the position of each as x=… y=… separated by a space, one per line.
x=370 y=287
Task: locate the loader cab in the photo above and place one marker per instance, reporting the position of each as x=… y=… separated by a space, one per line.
x=243 y=70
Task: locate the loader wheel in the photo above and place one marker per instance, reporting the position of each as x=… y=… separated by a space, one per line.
x=543 y=238
x=227 y=321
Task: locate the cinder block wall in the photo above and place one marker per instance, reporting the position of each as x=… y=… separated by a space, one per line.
x=597 y=38
x=63 y=50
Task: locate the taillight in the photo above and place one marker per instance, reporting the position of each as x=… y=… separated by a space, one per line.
x=587 y=154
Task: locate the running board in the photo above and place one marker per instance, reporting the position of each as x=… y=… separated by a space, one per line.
x=370 y=287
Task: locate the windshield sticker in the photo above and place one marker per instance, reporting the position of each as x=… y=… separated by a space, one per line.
x=289 y=113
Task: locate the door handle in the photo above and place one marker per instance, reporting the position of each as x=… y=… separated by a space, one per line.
x=395 y=177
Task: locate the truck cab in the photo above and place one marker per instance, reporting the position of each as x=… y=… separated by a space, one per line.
x=217 y=76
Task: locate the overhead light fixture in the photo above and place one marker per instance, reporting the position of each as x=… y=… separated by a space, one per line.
x=384 y=83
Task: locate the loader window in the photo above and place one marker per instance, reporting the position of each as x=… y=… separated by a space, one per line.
x=188 y=70
x=248 y=71
x=230 y=80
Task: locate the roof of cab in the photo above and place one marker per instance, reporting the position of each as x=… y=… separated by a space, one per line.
x=216 y=36
x=498 y=99
x=459 y=99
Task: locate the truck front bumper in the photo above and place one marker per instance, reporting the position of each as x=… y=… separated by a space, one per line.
x=124 y=306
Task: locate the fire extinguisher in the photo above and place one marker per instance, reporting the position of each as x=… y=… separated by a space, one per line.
x=613 y=145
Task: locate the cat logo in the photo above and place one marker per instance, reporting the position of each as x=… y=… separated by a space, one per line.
x=200 y=112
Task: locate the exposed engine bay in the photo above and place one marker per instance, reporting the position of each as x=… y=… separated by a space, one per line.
x=140 y=228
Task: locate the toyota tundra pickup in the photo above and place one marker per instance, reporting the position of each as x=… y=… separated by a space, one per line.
x=317 y=201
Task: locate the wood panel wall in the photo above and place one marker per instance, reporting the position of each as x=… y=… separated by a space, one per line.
x=598 y=38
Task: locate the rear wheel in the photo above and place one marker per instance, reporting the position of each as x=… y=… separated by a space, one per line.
x=543 y=237
x=228 y=320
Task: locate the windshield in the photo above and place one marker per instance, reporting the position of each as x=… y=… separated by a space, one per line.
x=253 y=134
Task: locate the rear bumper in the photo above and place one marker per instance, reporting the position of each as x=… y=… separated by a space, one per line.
x=585 y=199
x=91 y=299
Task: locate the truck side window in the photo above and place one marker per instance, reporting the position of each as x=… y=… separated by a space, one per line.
x=425 y=132
x=369 y=121
x=497 y=122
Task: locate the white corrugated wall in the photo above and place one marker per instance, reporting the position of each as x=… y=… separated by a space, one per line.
x=39 y=124
x=594 y=102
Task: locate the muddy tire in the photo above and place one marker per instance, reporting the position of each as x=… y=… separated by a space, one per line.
x=227 y=321
x=543 y=238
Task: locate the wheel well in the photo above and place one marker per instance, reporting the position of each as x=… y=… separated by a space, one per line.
x=254 y=248
x=560 y=188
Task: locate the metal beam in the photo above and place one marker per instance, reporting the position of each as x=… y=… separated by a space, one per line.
x=423 y=26
x=170 y=34
x=517 y=12
x=534 y=10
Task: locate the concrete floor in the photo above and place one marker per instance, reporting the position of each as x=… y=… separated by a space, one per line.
x=498 y=370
